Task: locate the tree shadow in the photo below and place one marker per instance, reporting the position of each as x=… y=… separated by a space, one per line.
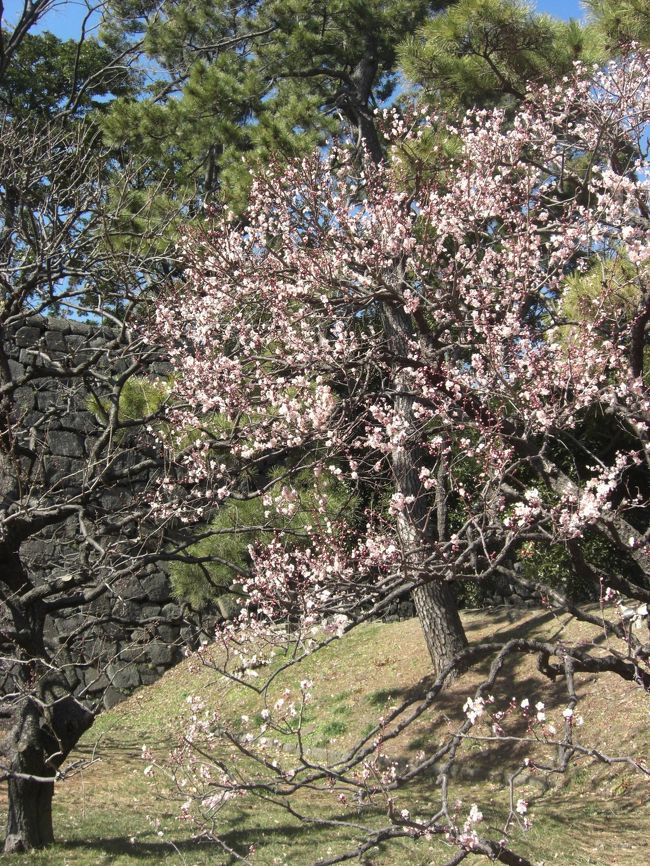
x=119 y=846
x=496 y=760
x=239 y=839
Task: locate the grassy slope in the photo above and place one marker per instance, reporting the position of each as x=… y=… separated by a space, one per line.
x=110 y=814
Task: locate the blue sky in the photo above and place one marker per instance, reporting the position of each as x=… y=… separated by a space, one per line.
x=64 y=19
x=561 y=8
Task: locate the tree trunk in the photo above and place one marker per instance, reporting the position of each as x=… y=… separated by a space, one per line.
x=29 y=819
x=435 y=605
x=46 y=719
x=422 y=522
x=38 y=743
x=29 y=822
x=435 y=602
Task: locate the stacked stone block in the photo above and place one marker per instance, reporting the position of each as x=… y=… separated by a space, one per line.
x=136 y=630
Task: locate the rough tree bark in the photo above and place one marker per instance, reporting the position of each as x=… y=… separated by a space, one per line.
x=422 y=522
x=39 y=742
x=47 y=720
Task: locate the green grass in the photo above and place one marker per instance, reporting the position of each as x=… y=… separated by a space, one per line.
x=111 y=815
x=380 y=698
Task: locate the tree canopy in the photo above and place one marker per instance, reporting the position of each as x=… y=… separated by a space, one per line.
x=240 y=82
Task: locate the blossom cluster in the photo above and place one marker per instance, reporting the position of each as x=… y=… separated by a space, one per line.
x=351 y=321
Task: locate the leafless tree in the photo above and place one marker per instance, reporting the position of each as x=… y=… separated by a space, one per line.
x=74 y=466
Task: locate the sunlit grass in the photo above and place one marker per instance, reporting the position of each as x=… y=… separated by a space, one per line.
x=594 y=815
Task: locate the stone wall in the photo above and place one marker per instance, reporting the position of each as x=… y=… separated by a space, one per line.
x=498 y=592
x=136 y=629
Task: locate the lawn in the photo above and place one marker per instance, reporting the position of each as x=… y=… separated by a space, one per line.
x=110 y=813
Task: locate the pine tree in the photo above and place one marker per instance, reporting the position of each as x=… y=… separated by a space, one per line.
x=621 y=22
x=238 y=83
x=481 y=53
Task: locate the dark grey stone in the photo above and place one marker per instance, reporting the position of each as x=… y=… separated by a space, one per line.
x=157 y=588
x=97 y=342
x=171 y=611
x=127 y=461
x=34 y=420
x=16 y=368
x=75 y=341
x=94 y=681
x=229 y=605
x=124 y=677
x=162 y=654
x=48 y=399
x=168 y=633
x=112 y=697
x=114 y=499
x=24 y=398
x=55 y=341
x=60 y=325
x=64 y=443
x=133 y=653
x=34 y=358
x=58 y=468
x=36 y=321
x=149 y=675
x=27 y=337
x=81 y=422
x=126 y=610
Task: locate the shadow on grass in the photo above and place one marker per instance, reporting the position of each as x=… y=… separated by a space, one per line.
x=517 y=625
x=515 y=622
x=494 y=761
x=620 y=822
x=120 y=846
x=563 y=817
x=239 y=839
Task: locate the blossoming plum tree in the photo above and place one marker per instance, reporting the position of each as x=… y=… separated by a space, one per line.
x=402 y=330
